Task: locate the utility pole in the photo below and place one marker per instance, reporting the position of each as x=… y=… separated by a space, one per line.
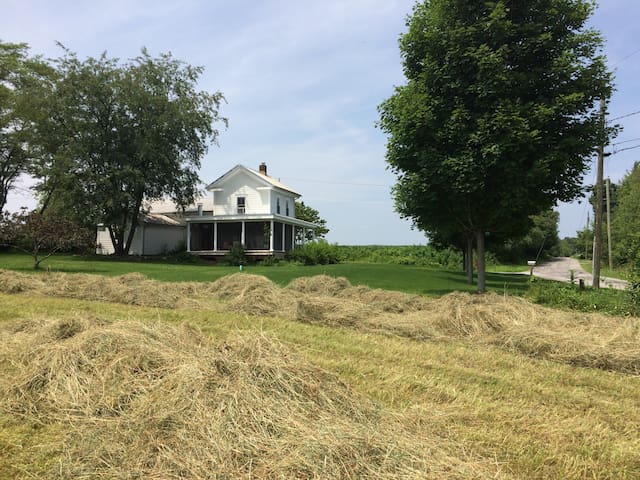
x=597 y=237
x=587 y=242
x=609 y=224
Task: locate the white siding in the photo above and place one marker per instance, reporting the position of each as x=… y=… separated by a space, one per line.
x=103 y=242
x=157 y=239
x=284 y=198
x=240 y=185
x=160 y=239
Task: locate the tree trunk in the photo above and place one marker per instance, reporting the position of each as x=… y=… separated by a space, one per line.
x=3 y=198
x=480 y=250
x=117 y=239
x=132 y=232
x=134 y=224
x=469 y=258
x=36 y=262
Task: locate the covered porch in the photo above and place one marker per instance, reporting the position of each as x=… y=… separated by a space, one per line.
x=261 y=235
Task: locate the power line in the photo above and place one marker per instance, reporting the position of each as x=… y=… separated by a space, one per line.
x=625 y=141
x=330 y=182
x=625 y=58
x=624 y=149
x=624 y=116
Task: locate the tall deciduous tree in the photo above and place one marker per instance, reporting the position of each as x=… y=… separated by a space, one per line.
x=626 y=221
x=122 y=134
x=20 y=75
x=310 y=214
x=497 y=119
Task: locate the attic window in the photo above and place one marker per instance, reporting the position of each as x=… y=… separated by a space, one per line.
x=241 y=204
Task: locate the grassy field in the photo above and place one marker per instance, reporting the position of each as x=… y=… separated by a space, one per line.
x=465 y=404
x=405 y=278
x=605 y=271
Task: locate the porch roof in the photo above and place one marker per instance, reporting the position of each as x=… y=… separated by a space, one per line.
x=252 y=217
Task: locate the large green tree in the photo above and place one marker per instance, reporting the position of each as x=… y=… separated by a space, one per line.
x=626 y=221
x=496 y=121
x=310 y=214
x=118 y=135
x=20 y=79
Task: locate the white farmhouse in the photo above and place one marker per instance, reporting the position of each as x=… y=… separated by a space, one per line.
x=244 y=206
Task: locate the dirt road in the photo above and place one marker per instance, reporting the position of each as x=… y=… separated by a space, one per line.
x=559 y=268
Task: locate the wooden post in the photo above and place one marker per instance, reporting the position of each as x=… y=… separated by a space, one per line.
x=597 y=240
x=481 y=266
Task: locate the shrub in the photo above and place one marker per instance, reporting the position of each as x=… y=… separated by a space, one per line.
x=236 y=255
x=269 y=261
x=634 y=275
x=421 y=255
x=185 y=257
x=570 y=296
x=316 y=253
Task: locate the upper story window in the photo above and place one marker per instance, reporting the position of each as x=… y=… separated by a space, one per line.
x=278 y=205
x=241 y=204
x=287 y=208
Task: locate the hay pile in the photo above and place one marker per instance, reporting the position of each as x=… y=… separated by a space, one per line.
x=154 y=401
x=129 y=289
x=590 y=340
x=587 y=340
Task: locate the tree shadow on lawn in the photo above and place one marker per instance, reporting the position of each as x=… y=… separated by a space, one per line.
x=446 y=281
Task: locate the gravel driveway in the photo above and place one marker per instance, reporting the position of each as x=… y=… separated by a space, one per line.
x=559 y=268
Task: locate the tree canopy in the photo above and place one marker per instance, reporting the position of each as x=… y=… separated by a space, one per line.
x=117 y=135
x=310 y=214
x=496 y=121
x=42 y=235
x=20 y=77
x=626 y=221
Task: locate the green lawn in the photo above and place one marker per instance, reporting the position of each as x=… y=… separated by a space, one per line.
x=405 y=278
x=605 y=271
x=508 y=268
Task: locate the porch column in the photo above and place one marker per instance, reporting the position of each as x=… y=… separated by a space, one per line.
x=271 y=237
x=242 y=235
x=284 y=238
x=293 y=237
x=188 y=236
x=215 y=236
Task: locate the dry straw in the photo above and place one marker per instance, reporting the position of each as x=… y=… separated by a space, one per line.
x=157 y=402
x=589 y=340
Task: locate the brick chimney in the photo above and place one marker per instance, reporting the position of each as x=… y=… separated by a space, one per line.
x=263 y=169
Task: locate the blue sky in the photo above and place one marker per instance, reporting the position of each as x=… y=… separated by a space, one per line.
x=302 y=81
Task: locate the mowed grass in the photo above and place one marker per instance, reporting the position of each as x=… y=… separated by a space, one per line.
x=605 y=271
x=516 y=416
x=404 y=278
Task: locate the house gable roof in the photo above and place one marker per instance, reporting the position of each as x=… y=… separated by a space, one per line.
x=168 y=206
x=266 y=180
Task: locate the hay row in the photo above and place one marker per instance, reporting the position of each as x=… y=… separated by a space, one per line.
x=588 y=340
x=156 y=401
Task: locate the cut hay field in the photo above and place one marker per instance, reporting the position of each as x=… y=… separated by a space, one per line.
x=127 y=377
